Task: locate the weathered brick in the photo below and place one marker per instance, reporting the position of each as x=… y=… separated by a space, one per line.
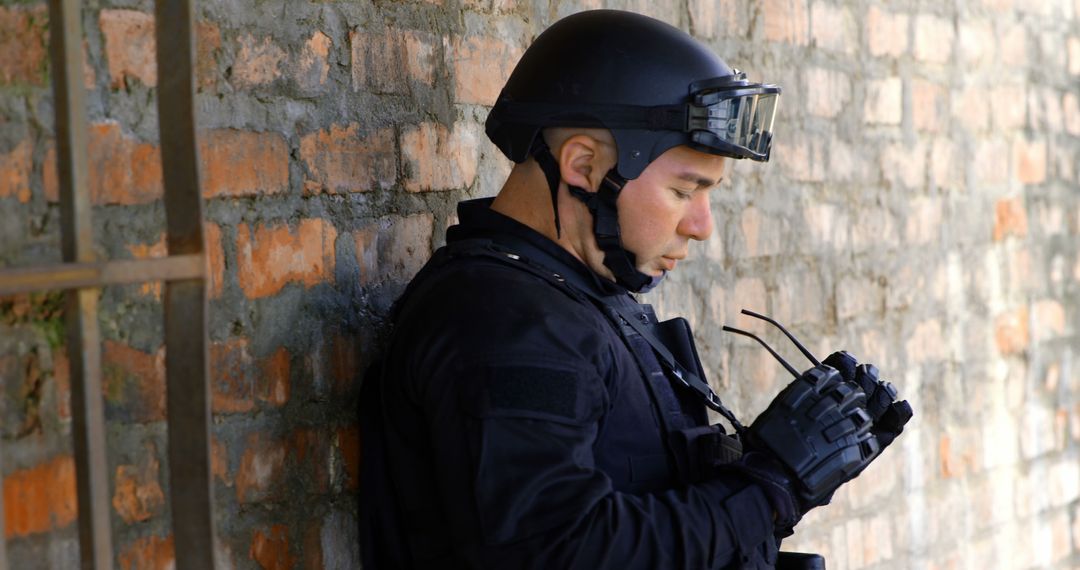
x=749 y=293
x=262 y=469
x=1048 y=320
x=243 y=163
x=884 y=98
x=348 y=442
x=1074 y=55
x=713 y=18
x=259 y=62
x=1070 y=104
x=219 y=461
x=481 y=66
x=339 y=160
x=875 y=227
x=991 y=167
x=138 y=495
x=1030 y=161
x=312 y=66
x=1010 y=218
x=149 y=251
x=971 y=109
x=786 y=21
x=437 y=158
x=1011 y=331
x=827 y=91
x=41 y=498
x=270 y=549
x=926 y=343
x=832 y=28
x=886 y=32
x=148 y=553
x=799 y=299
x=976 y=42
x=240 y=381
x=377 y=61
x=1012 y=48
x=394 y=248
x=270 y=257
x=420 y=50
x=215 y=259
x=924 y=221
x=929 y=105
x=133 y=382
x=827 y=225
x=946 y=168
x=934 y=39
x=15 y=168
x=122 y=170
x=904 y=165
x=802 y=157
x=1007 y=106
x=130 y=46
x=761 y=233
x=23 y=45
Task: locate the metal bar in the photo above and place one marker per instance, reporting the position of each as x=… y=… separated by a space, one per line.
x=84 y=349
x=186 y=363
x=79 y=275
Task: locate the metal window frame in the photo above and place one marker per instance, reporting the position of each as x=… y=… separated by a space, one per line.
x=82 y=276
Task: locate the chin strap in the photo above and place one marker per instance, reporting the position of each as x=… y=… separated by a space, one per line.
x=601 y=204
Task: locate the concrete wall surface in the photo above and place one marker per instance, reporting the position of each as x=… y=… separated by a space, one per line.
x=922 y=209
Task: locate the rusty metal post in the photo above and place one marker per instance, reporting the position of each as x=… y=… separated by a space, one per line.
x=186 y=365
x=84 y=347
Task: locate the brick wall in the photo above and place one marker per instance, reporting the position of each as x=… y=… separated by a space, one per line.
x=922 y=209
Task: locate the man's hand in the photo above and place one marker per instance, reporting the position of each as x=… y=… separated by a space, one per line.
x=821 y=431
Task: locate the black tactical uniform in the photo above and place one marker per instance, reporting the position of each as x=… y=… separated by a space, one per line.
x=529 y=432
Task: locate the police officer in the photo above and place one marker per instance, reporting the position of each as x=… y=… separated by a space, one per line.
x=529 y=412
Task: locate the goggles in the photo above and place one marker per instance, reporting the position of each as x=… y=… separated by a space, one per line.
x=734 y=116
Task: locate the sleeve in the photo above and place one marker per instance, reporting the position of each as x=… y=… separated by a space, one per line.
x=526 y=492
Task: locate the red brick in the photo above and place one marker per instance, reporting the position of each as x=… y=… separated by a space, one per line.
x=420 y=55
x=270 y=549
x=991 y=164
x=884 y=98
x=436 y=158
x=215 y=259
x=240 y=380
x=786 y=21
x=311 y=449
x=147 y=251
x=929 y=105
x=481 y=66
x=219 y=461
x=886 y=32
x=138 y=496
x=348 y=440
x=270 y=257
x=1010 y=218
x=1030 y=161
x=130 y=46
x=258 y=63
x=340 y=160
x=23 y=44
x=934 y=38
x=313 y=552
x=41 y=498
x=123 y=170
x=312 y=66
x=62 y=377
x=148 y=553
x=243 y=163
x=1011 y=332
x=262 y=469
x=832 y=28
x=134 y=381
x=15 y=167
x=394 y=248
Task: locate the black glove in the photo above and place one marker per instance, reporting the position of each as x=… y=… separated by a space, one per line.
x=813 y=437
x=888 y=415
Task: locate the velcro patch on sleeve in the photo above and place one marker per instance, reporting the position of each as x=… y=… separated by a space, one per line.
x=534 y=389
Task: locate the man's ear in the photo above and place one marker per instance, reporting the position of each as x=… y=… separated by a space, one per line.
x=580 y=158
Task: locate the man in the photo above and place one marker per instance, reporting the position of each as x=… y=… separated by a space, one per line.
x=529 y=413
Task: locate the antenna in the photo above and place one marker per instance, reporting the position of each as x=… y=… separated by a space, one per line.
x=790 y=336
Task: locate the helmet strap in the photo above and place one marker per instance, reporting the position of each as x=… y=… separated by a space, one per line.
x=542 y=154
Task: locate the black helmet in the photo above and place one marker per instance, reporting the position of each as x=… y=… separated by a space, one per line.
x=652 y=85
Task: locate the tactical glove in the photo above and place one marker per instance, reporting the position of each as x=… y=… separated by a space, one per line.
x=814 y=436
x=888 y=415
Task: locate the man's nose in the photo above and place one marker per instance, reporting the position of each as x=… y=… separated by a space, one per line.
x=697 y=223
